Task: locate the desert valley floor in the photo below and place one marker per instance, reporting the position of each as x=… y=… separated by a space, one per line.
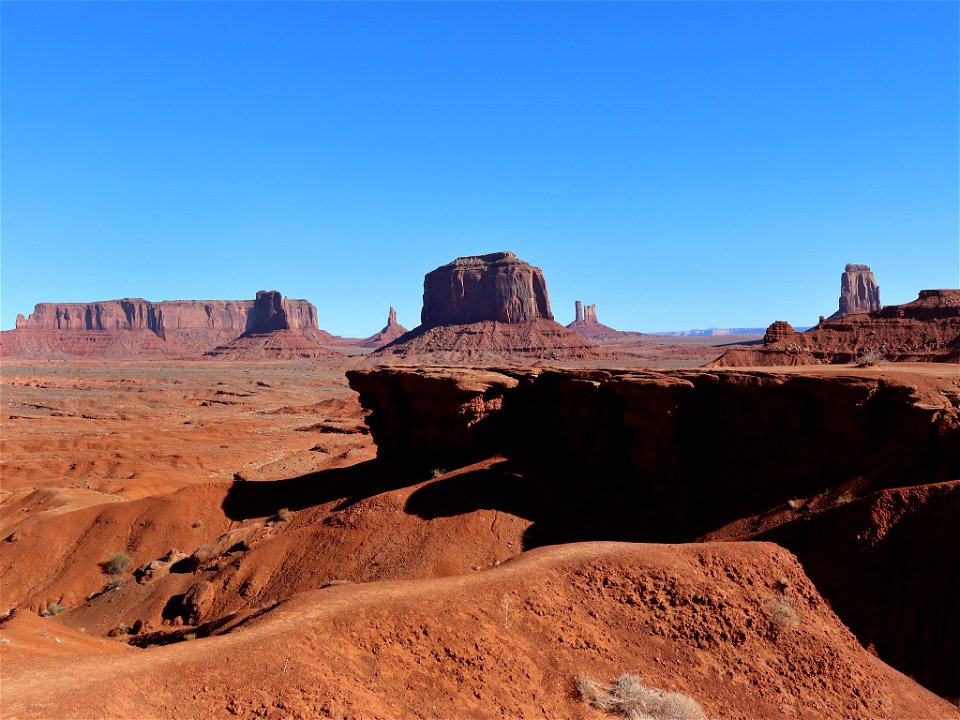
x=275 y=567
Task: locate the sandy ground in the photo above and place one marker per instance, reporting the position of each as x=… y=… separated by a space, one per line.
x=350 y=607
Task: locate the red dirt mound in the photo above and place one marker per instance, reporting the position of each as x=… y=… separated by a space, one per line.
x=276 y=345
x=738 y=627
x=490 y=342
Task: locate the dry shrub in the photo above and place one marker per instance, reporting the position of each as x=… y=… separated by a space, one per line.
x=116 y=564
x=631 y=699
x=870 y=358
x=781 y=612
x=53 y=609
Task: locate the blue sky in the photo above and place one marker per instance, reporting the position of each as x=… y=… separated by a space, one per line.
x=680 y=165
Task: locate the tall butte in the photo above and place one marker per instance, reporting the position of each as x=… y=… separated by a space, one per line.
x=489 y=306
x=859 y=292
x=279 y=329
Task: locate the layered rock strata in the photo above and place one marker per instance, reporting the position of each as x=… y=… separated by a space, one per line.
x=488 y=308
x=671 y=456
x=133 y=327
x=925 y=330
x=497 y=287
x=859 y=292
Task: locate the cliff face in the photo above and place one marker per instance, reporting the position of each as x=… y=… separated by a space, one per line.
x=859 y=292
x=487 y=309
x=925 y=330
x=271 y=311
x=159 y=317
x=133 y=327
x=671 y=456
x=496 y=287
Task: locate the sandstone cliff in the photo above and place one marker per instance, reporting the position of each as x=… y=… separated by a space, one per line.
x=925 y=330
x=133 y=327
x=859 y=292
x=672 y=456
x=496 y=287
x=487 y=308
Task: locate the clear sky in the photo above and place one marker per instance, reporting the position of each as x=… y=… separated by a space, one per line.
x=681 y=165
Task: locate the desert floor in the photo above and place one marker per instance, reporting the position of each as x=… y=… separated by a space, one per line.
x=313 y=593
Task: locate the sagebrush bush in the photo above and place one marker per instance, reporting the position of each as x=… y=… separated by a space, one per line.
x=115 y=582
x=869 y=358
x=53 y=609
x=781 y=612
x=283 y=514
x=117 y=563
x=631 y=699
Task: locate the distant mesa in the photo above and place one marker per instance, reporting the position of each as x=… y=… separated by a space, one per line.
x=279 y=329
x=586 y=325
x=859 y=292
x=925 y=330
x=391 y=331
x=137 y=328
x=711 y=332
x=489 y=306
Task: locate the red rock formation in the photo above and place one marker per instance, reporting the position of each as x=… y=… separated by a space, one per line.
x=905 y=537
x=587 y=326
x=279 y=330
x=496 y=287
x=925 y=330
x=276 y=345
x=490 y=343
x=859 y=292
x=388 y=334
x=671 y=456
x=487 y=308
x=133 y=327
x=778 y=331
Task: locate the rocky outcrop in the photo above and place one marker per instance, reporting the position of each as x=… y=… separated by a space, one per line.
x=133 y=327
x=904 y=537
x=587 y=326
x=731 y=439
x=487 y=309
x=271 y=311
x=497 y=287
x=671 y=456
x=925 y=330
x=779 y=331
x=390 y=332
x=859 y=292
